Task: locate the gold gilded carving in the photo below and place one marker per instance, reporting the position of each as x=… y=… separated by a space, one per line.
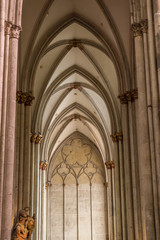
x=109 y=165
x=24 y=226
x=117 y=137
x=15 y=31
x=114 y=137
x=33 y=137
x=36 y=138
x=43 y=165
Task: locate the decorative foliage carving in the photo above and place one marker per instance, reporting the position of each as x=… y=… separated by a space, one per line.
x=109 y=165
x=24 y=97
x=24 y=226
x=15 y=31
x=36 y=138
x=140 y=28
x=128 y=96
x=43 y=165
x=117 y=137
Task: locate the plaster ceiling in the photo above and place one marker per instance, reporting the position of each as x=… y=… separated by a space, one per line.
x=74 y=58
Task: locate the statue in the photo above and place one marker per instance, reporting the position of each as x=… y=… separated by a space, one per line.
x=24 y=226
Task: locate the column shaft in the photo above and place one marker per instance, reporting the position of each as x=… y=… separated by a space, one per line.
x=9 y=143
x=146 y=195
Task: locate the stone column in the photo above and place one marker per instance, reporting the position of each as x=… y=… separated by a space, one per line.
x=144 y=161
x=10 y=134
x=43 y=167
x=150 y=78
x=110 y=201
x=4 y=109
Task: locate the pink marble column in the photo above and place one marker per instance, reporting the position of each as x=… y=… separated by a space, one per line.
x=4 y=109
x=2 y=39
x=10 y=135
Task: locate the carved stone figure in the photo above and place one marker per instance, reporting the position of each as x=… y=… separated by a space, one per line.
x=24 y=226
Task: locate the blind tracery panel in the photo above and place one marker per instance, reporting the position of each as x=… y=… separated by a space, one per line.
x=77 y=196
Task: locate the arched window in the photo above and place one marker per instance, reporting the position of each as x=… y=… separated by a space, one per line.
x=77 y=207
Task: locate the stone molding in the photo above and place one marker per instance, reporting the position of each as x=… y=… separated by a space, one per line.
x=36 y=138
x=24 y=97
x=43 y=165
x=140 y=28
x=109 y=165
x=117 y=137
x=128 y=96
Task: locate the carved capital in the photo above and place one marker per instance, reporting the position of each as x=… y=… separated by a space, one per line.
x=123 y=98
x=128 y=96
x=33 y=137
x=8 y=26
x=137 y=29
x=15 y=31
x=117 y=137
x=36 y=138
x=109 y=165
x=24 y=97
x=43 y=165
x=29 y=99
x=20 y=97
x=135 y=93
x=144 y=25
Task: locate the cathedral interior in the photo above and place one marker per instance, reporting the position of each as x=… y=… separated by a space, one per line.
x=80 y=119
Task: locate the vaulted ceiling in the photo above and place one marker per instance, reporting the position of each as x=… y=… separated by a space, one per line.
x=75 y=58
